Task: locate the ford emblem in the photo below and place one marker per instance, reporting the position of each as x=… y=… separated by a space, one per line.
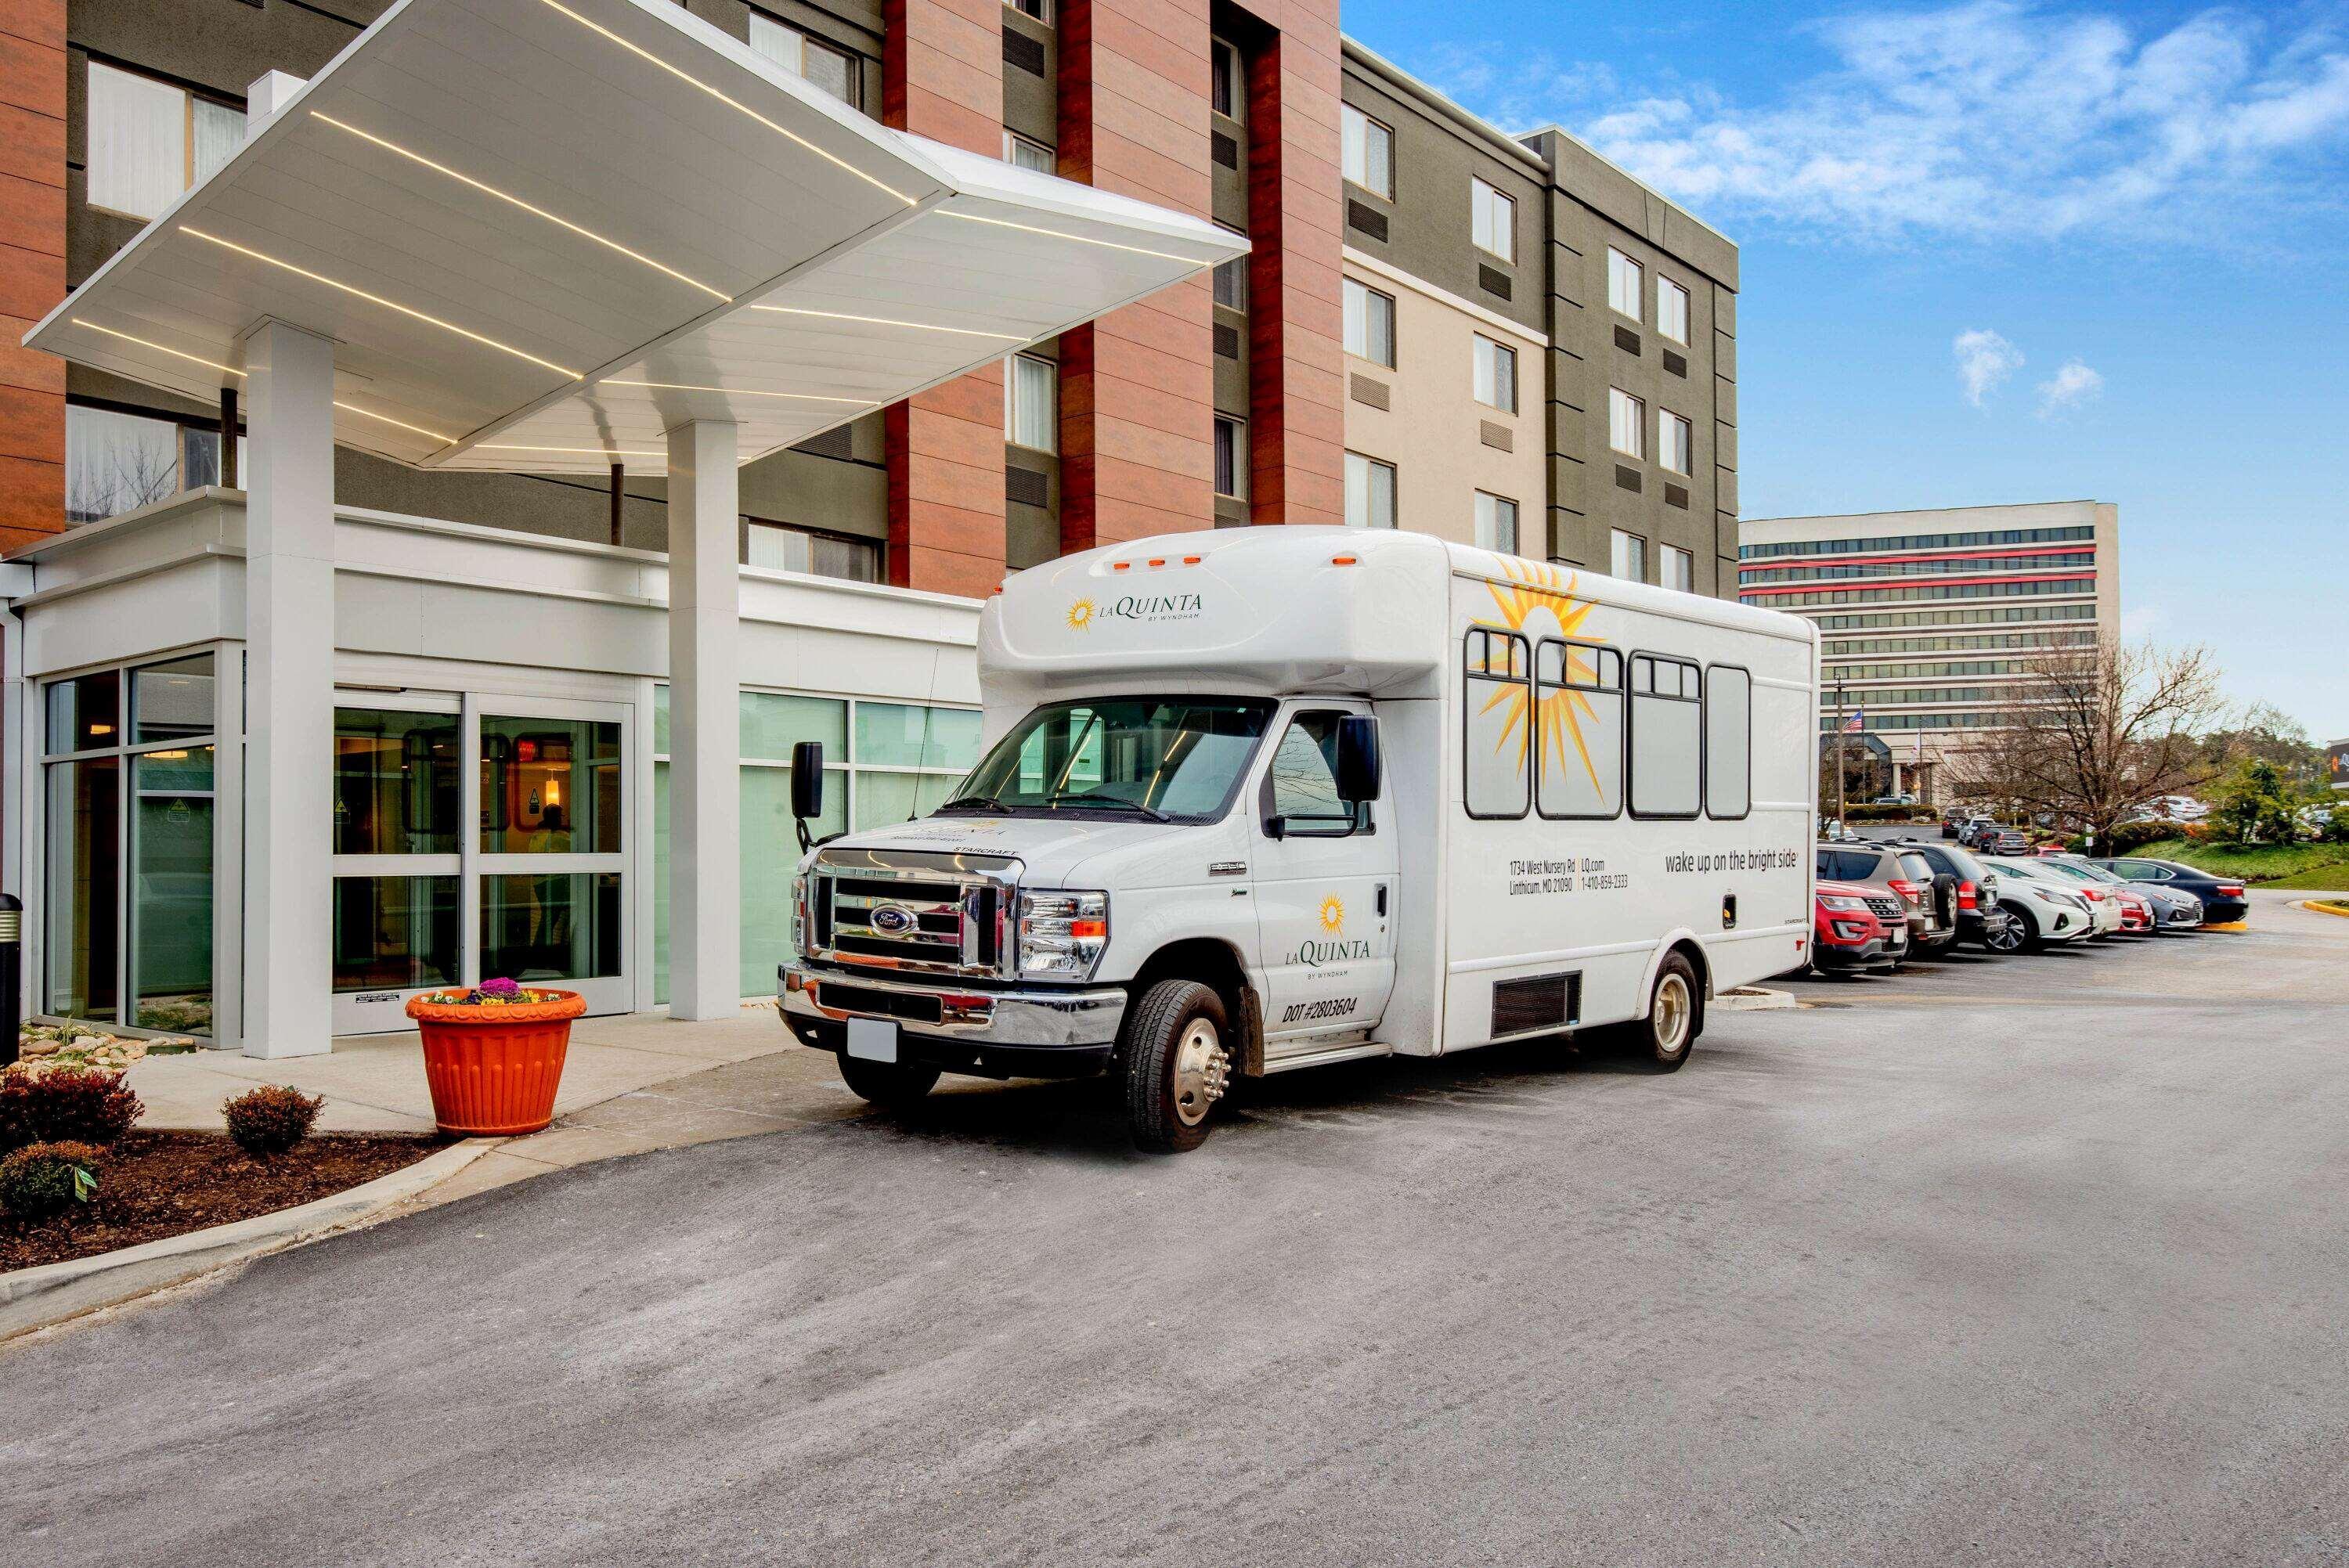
x=893 y=920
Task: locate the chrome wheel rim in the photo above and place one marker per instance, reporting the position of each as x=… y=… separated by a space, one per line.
x=1671 y=1015
x=2009 y=937
x=1202 y=1069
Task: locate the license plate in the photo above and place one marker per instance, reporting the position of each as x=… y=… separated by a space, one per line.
x=872 y=1039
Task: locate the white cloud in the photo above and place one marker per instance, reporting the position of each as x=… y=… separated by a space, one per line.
x=1987 y=117
x=2072 y=384
x=1984 y=359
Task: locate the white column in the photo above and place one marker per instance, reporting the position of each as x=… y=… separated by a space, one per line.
x=289 y=616
x=704 y=802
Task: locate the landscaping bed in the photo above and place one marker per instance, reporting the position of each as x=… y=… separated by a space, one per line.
x=2314 y=866
x=159 y=1184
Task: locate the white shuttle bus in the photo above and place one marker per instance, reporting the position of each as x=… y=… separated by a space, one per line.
x=1269 y=798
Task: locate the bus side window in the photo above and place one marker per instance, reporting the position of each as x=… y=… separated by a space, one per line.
x=1728 y=742
x=1578 y=730
x=1497 y=716
x=1667 y=737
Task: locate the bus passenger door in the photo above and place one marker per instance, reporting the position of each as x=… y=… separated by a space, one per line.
x=1326 y=891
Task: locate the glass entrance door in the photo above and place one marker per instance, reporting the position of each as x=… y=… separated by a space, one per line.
x=534 y=889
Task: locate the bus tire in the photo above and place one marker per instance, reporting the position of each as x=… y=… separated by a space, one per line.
x=1675 y=1015
x=891 y=1085
x=1176 y=1064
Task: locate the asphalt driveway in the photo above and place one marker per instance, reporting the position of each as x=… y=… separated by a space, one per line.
x=2041 y=1259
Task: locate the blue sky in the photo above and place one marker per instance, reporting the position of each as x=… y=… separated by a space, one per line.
x=2001 y=252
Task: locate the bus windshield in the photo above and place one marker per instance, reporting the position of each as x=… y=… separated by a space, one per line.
x=1167 y=759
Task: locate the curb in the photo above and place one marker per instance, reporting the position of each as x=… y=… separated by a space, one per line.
x=2229 y=925
x=39 y=1297
x=2339 y=907
x=1754 y=1000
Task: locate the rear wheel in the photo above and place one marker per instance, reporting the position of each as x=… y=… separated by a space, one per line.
x=1675 y=1016
x=892 y=1086
x=1176 y=1064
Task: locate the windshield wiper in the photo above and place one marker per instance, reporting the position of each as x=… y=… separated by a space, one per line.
x=974 y=803
x=1092 y=798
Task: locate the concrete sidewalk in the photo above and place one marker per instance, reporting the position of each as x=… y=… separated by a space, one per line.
x=630 y=1083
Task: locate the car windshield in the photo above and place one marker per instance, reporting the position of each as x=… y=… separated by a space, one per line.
x=2084 y=873
x=1176 y=758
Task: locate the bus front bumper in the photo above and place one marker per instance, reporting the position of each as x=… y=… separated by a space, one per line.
x=1033 y=1033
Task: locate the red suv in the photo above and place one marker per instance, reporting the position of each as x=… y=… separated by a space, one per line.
x=1858 y=927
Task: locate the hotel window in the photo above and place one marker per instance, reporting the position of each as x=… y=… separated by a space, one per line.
x=1031 y=416
x=1232 y=277
x=785 y=549
x=1228 y=88
x=1497 y=523
x=1680 y=569
x=1369 y=151
x=1370 y=324
x=1034 y=10
x=119 y=462
x=1671 y=309
x=1627 y=555
x=1493 y=221
x=822 y=64
x=1231 y=458
x=1625 y=417
x=1370 y=492
x=1673 y=439
x=150 y=140
x=1022 y=154
x=1625 y=281
x=1497 y=375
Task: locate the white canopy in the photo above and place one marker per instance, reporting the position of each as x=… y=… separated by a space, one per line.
x=541 y=232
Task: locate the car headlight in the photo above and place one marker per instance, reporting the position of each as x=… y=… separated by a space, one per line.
x=1063 y=934
x=1837 y=900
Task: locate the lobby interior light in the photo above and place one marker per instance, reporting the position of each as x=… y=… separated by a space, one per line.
x=736 y=104
x=507 y=196
x=889 y=321
x=357 y=292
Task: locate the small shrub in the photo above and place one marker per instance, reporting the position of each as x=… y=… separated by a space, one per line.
x=2131 y=837
x=82 y=1105
x=272 y=1119
x=41 y=1179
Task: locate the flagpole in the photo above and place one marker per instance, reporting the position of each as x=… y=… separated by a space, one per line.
x=1838 y=750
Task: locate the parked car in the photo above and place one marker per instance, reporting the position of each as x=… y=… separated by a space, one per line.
x=2170 y=908
x=2136 y=914
x=2104 y=910
x=1856 y=927
x=2223 y=899
x=2043 y=913
x=1932 y=920
x=1902 y=798
x=1994 y=839
x=1980 y=919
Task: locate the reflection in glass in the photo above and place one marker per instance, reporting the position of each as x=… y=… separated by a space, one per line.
x=771 y=847
x=885 y=798
x=84 y=894
x=561 y=927
x=172 y=701
x=395 y=782
x=172 y=891
x=550 y=787
x=86 y=712
x=395 y=933
x=773 y=722
x=901 y=735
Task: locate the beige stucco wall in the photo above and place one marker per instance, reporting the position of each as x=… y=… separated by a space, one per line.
x=1430 y=431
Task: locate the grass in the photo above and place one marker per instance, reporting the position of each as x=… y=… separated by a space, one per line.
x=2322 y=867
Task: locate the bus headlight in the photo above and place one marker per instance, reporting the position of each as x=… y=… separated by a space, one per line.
x=1063 y=934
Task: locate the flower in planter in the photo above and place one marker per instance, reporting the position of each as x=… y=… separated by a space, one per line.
x=498 y=993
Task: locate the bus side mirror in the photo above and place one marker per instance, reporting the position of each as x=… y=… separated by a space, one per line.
x=807 y=784
x=1357 y=758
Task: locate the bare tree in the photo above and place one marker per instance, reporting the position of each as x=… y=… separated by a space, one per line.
x=133 y=476
x=2092 y=735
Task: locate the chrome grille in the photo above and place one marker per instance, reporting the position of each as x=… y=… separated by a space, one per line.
x=909 y=911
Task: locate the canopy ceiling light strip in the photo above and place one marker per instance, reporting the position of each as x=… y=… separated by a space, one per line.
x=694 y=81
x=1078 y=239
x=576 y=451
x=735 y=391
x=888 y=321
x=509 y=197
x=379 y=299
x=233 y=370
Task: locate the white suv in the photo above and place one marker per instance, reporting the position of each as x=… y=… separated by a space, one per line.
x=2045 y=910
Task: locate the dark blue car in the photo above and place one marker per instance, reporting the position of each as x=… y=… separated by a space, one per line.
x=2223 y=900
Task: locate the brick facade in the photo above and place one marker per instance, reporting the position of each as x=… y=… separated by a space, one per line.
x=32 y=267
x=942 y=77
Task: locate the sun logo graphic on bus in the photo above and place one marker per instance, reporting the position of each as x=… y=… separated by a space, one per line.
x=1333 y=914
x=1080 y=614
x=1540 y=604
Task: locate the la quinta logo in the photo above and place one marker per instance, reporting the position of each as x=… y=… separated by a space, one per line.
x=1337 y=948
x=1333 y=914
x=1081 y=615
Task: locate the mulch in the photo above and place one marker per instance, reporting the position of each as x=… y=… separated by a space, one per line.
x=158 y=1184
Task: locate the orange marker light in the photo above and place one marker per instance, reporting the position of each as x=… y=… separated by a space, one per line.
x=1119 y=566
x=1158 y=560
x=1192 y=560
x=1082 y=928
x=1343 y=561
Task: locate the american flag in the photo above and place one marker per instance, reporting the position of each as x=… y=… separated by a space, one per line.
x=1856 y=722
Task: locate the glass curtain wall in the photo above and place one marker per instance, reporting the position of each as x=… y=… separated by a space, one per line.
x=397 y=924
x=128 y=880
x=884 y=762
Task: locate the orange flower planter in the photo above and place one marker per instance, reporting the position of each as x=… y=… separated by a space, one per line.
x=494 y=1069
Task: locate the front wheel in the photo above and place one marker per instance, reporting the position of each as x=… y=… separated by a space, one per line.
x=892 y=1086
x=1176 y=1064
x=2024 y=932
x=1675 y=1016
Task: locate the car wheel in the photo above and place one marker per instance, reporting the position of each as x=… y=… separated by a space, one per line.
x=892 y=1086
x=1176 y=1066
x=2004 y=937
x=2026 y=935
x=1675 y=1016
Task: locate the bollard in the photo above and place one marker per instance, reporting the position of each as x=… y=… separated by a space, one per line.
x=12 y=979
